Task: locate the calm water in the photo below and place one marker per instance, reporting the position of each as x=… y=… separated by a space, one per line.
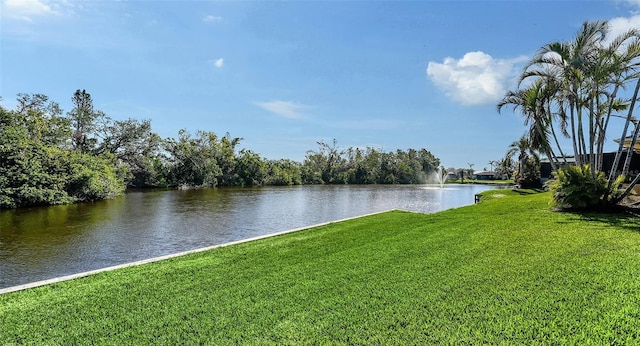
x=43 y=243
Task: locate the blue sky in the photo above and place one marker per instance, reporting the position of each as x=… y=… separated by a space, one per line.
x=284 y=75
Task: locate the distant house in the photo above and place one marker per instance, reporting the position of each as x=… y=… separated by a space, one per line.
x=484 y=175
x=607 y=163
x=545 y=166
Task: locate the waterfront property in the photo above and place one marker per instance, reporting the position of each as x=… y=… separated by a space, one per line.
x=607 y=163
x=484 y=175
x=504 y=271
x=42 y=243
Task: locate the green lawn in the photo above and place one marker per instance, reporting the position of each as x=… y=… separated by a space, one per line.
x=504 y=271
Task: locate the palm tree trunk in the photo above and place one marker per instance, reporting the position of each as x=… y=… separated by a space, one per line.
x=600 y=136
x=616 y=160
x=553 y=133
x=582 y=143
x=627 y=161
x=573 y=136
x=592 y=135
x=555 y=138
x=552 y=158
x=604 y=129
x=628 y=190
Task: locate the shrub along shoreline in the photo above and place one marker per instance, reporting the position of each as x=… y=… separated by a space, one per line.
x=506 y=270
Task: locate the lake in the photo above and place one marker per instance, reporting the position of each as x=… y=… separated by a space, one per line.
x=47 y=242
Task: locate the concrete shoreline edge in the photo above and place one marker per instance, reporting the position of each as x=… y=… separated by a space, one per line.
x=178 y=254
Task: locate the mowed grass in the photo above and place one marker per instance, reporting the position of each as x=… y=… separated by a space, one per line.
x=505 y=271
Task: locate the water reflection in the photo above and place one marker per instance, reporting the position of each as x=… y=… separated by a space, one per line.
x=41 y=243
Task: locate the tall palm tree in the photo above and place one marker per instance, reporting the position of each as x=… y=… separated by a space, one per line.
x=578 y=83
x=567 y=64
x=625 y=69
x=523 y=148
x=534 y=104
x=505 y=166
x=587 y=73
x=491 y=164
x=627 y=162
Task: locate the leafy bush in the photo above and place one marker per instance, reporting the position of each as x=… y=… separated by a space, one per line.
x=530 y=179
x=577 y=187
x=283 y=172
x=93 y=177
x=31 y=173
x=529 y=182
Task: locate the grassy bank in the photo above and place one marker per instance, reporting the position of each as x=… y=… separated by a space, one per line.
x=506 y=270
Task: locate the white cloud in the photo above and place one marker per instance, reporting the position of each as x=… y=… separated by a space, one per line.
x=620 y=25
x=212 y=19
x=218 y=63
x=285 y=109
x=28 y=6
x=26 y=9
x=475 y=79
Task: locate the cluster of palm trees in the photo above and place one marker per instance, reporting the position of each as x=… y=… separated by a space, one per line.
x=570 y=91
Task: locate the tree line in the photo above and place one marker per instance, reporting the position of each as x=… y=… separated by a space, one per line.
x=48 y=157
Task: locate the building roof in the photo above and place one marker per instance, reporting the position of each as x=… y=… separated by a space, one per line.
x=485 y=173
x=627 y=143
x=569 y=159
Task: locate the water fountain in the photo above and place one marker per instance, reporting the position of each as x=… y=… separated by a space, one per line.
x=439 y=176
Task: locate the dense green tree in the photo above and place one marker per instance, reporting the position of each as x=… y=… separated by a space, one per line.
x=135 y=146
x=93 y=177
x=37 y=169
x=84 y=121
x=428 y=162
x=46 y=158
x=409 y=167
x=225 y=155
x=326 y=165
x=42 y=120
x=388 y=169
x=329 y=165
x=283 y=172
x=31 y=173
x=192 y=160
x=250 y=169
x=364 y=165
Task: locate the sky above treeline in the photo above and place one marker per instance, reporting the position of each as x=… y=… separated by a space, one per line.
x=285 y=75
